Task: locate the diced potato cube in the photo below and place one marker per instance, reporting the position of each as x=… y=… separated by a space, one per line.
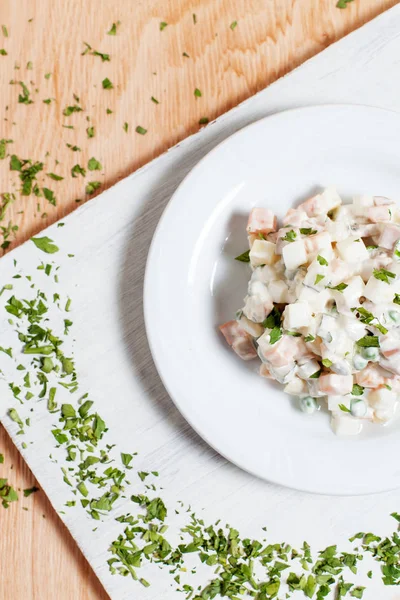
x=379 y=291
x=296 y=387
x=334 y=401
x=352 y=250
x=279 y=291
x=262 y=253
x=349 y=297
x=261 y=220
x=296 y=315
x=345 y=425
x=307 y=369
x=316 y=243
x=294 y=254
x=360 y=204
x=253 y=329
x=382 y=398
x=317 y=300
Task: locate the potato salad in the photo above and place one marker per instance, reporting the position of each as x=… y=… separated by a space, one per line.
x=322 y=310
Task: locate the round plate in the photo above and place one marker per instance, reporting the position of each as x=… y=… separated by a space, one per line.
x=193 y=284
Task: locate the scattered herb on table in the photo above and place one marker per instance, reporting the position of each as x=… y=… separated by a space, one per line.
x=78 y=170
x=163 y=25
x=90 y=132
x=113 y=28
x=106 y=83
x=197 y=93
x=94 y=164
x=92 y=186
x=233 y=25
x=141 y=130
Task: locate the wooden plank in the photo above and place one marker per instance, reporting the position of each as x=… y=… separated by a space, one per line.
x=227 y=66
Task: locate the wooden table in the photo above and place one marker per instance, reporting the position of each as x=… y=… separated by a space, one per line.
x=227 y=63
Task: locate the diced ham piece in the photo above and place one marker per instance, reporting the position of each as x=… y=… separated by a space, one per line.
x=379 y=213
x=335 y=385
x=284 y=352
x=239 y=340
x=389 y=236
x=370 y=377
x=265 y=372
x=261 y=220
x=295 y=218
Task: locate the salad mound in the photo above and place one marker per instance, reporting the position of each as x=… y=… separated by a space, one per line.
x=322 y=310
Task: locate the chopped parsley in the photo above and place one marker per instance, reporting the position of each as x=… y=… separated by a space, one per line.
x=233 y=25
x=3 y=147
x=309 y=338
x=318 y=278
x=343 y=3
x=245 y=257
x=357 y=390
x=24 y=98
x=113 y=28
x=344 y=408
x=396 y=299
x=197 y=93
x=383 y=275
x=316 y=375
x=307 y=231
x=106 y=83
x=203 y=121
x=322 y=261
x=154 y=100
x=273 y=320
x=69 y=110
x=92 y=186
x=90 y=132
x=368 y=341
x=30 y=491
x=4 y=30
x=163 y=25
x=290 y=236
x=55 y=177
x=49 y=195
x=327 y=363
x=275 y=335
x=94 y=164
x=141 y=130
x=340 y=287
x=45 y=244
x=78 y=170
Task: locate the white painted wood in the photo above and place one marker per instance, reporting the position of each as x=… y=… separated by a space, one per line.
x=110 y=237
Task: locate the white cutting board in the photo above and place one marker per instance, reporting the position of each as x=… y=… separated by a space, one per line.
x=110 y=237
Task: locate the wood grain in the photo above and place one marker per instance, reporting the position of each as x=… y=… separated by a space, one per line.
x=38 y=557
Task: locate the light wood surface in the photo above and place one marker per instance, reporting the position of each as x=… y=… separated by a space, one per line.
x=38 y=558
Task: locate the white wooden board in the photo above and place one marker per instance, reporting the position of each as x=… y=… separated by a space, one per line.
x=110 y=238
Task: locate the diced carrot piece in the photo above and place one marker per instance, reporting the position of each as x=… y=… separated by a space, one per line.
x=261 y=220
x=370 y=377
x=335 y=385
x=239 y=340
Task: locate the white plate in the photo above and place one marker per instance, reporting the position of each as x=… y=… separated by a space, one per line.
x=193 y=284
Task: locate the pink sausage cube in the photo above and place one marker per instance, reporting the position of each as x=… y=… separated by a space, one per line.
x=377 y=214
x=295 y=217
x=335 y=385
x=261 y=220
x=240 y=341
x=389 y=236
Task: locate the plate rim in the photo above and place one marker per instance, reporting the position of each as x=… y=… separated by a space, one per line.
x=280 y=114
